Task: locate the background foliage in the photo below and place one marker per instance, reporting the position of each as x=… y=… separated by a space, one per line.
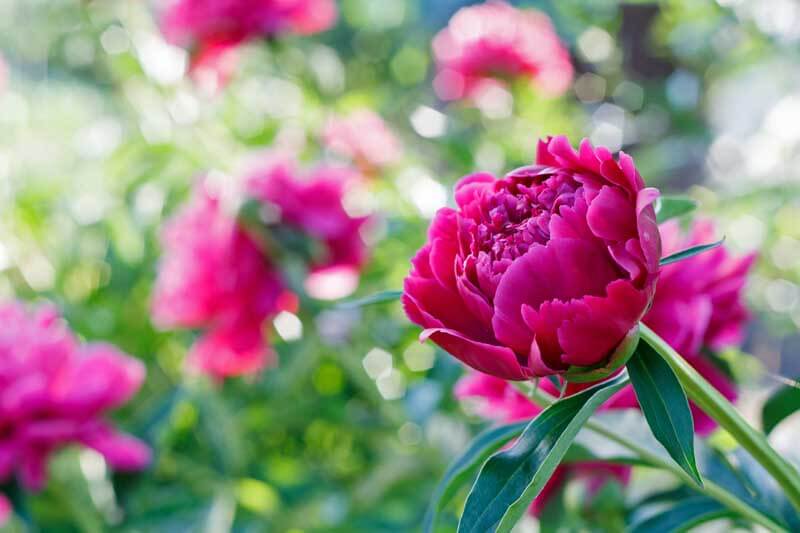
x=101 y=135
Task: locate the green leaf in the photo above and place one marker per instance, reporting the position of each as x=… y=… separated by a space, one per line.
x=689 y=252
x=377 y=298
x=781 y=405
x=665 y=406
x=481 y=447
x=682 y=516
x=668 y=207
x=511 y=479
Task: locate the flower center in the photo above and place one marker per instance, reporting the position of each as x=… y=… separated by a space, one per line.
x=510 y=220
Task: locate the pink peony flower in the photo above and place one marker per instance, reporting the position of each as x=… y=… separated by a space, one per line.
x=312 y=203
x=54 y=392
x=218 y=276
x=202 y=22
x=212 y=27
x=364 y=138
x=699 y=301
x=546 y=268
x=214 y=276
x=495 y=40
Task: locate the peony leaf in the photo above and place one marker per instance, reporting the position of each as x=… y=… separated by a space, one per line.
x=481 y=447
x=665 y=406
x=377 y=298
x=781 y=405
x=511 y=479
x=682 y=516
x=689 y=252
x=668 y=207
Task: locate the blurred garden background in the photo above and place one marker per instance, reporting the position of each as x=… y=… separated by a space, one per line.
x=104 y=131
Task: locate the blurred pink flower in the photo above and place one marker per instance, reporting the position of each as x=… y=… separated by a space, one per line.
x=192 y=22
x=700 y=301
x=496 y=399
x=214 y=276
x=210 y=28
x=312 y=202
x=487 y=43
x=54 y=392
x=363 y=137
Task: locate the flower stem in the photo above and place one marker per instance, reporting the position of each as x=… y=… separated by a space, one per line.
x=717 y=407
x=709 y=488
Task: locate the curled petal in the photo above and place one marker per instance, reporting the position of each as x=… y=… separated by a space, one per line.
x=488 y=358
x=599 y=323
x=611 y=215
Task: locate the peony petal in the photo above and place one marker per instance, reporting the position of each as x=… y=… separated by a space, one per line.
x=704 y=424
x=470 y=187
x=648 y=227
x=102 y=378
x=442 y=260
x=682 y=322
x=231 y=349
x=446 y=305
x=491 y=359
x=600 y=323
x=122 y=452
x=611 y=215
x=564 y=269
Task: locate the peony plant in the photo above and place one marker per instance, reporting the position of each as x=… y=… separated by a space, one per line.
x=558 y=272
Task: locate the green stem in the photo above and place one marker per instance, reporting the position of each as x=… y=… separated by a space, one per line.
x=717 y=407
x=709 y=488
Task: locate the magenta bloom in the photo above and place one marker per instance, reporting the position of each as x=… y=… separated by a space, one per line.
x=494 y=41
x=312 y=202
x=699 y=301
x=54 y=392
x=363 y=137
x=212 y=28
x=498 y=400
x=197 y=23
x=214 y=276
x=220 y=277
x=547 y=268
